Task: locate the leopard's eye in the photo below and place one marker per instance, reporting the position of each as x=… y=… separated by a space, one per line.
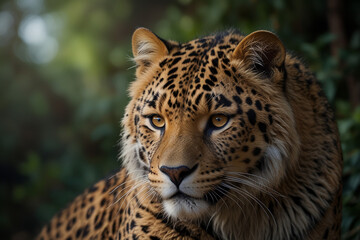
x=219 y=120
x=157 y=121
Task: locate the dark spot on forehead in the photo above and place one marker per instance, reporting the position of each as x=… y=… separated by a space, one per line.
x=213 y=78
x=193 y=54
x=175 y=93
x=224 y=47
x=222 y=101
x=152 y=102
x=233 y=40
x=209 y=82
x=175 y=61
x=227 y=72
x=172 y=77
x=213 y=70
x=206 y=88
x=172 y=71
x=239 y=90
x=215 y=62
x=189 y=47
x=187 y=60
x=161 y=64
x=168 y=83
x=220 y=54
x=237 y=99
x=179 y=53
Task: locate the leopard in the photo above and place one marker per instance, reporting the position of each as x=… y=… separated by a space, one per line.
x=228 y=136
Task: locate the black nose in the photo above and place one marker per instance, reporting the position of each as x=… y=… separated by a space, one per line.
x=177 y=174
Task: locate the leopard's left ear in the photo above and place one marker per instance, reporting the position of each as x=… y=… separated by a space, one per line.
x=148 y=48
x=261 y=51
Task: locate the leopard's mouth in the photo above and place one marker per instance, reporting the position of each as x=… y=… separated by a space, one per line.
x=211 y=197
x=180 y=195
x=183 y=206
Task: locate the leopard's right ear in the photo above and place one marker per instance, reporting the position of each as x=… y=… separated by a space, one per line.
x=148 y=49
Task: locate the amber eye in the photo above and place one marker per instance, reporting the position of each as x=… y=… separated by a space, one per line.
x=219 y=120
x=157 y=121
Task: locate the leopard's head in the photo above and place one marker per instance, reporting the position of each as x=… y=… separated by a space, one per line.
x=208 y=123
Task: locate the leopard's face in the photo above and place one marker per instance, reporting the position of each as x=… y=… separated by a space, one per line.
x=203 y=132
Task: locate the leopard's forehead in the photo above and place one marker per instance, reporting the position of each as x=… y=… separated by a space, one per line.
x=195 y=74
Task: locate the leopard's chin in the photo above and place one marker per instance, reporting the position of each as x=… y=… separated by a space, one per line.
x=186 y=208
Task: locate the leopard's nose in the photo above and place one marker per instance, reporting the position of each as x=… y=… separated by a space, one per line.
x=177 y=174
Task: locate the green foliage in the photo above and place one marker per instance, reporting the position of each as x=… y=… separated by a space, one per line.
x=349 y=128
x=63 y=93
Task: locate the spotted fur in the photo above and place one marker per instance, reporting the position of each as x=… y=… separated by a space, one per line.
x=272 y=171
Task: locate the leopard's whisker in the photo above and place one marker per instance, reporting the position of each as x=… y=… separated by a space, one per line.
x=131 y=188
x=260 y=203
x=133 y=179
x=128 y=193
x=261 y=188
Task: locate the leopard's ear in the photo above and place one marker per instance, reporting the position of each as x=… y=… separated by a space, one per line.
x=261 y=51
x=147 y=48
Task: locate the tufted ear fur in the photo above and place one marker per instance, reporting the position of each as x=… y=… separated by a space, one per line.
x=261 y=51
x=147 y=48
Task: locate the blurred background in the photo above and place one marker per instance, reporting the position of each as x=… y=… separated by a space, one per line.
x=65 y=67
